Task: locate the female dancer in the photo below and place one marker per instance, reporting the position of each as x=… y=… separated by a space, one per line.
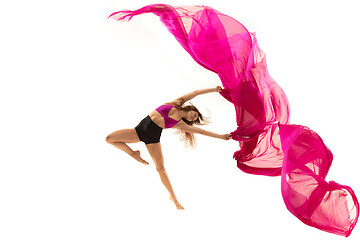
x=169 y=115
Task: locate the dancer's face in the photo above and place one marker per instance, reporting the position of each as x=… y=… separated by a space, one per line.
x=192 y=116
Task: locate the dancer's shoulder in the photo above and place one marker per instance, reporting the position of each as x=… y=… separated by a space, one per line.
x=176 y=103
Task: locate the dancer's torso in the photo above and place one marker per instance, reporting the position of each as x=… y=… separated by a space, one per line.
x=165 y=116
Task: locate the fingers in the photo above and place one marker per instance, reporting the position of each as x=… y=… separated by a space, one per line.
x=227 y=136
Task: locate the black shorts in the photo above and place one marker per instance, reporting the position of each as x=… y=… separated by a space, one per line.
x=148 y=131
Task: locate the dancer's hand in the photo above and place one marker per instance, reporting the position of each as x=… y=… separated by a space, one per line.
x=226 y=136
x=218 y=89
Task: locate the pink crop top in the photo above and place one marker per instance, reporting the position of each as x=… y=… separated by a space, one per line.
x=164 y=111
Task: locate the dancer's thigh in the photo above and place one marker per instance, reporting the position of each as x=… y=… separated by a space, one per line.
x=124 y=135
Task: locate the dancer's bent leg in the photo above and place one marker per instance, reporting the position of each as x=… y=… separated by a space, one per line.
x=120 y=139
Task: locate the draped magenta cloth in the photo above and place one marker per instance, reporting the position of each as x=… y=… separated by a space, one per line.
x=269 y=145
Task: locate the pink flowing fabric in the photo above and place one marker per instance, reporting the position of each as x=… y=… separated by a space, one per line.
x=269 y=145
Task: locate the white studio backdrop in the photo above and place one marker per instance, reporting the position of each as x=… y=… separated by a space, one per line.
x=70 y=76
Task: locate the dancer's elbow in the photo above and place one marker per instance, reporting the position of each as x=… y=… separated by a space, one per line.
x=197 y=130
x=190 y=129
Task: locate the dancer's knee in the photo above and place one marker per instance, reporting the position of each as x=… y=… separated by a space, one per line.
x=160 y=169
x=109 y=139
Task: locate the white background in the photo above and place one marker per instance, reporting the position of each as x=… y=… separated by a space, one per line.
x=70 y=76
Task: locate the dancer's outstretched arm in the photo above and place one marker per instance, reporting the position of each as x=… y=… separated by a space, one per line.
x=187 y=128
x=181 y=100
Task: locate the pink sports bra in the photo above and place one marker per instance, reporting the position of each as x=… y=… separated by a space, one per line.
x=164 y=111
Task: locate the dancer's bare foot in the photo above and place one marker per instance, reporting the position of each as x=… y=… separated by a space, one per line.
x=138 y=158
x=178 y=205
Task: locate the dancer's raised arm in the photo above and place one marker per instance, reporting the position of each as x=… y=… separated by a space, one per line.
x=181 y=100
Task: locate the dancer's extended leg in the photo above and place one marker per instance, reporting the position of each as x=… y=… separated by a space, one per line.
x=157 y=156
x=121 y=137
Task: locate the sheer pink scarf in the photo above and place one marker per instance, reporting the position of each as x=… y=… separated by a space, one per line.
x=269 y=145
